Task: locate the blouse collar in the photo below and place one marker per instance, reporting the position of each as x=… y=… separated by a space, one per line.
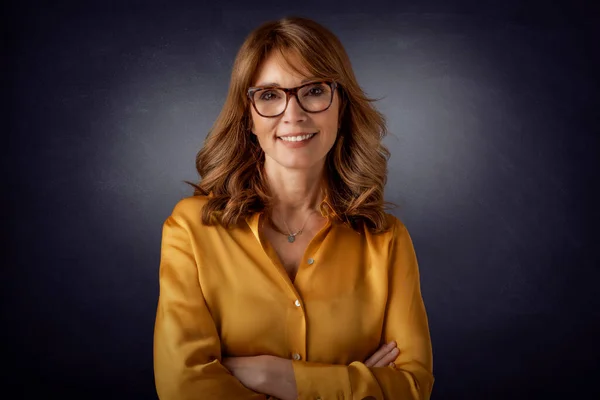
x=325 y=208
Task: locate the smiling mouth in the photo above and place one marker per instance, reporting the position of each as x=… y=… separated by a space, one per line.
x=297 y=138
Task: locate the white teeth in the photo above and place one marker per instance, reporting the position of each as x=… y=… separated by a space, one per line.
x=297 y=138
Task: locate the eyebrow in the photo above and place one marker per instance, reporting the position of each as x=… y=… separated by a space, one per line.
x=277 y=84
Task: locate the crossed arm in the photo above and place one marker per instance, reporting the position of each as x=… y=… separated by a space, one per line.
x=275 y=376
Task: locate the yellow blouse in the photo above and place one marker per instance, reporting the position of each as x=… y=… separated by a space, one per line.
x=224 y=293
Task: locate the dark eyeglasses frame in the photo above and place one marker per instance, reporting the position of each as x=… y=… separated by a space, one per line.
x=288 y=93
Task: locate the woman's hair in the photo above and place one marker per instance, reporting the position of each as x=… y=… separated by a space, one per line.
x=231 y=162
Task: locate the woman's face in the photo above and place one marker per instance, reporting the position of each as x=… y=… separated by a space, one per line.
x=293 y=154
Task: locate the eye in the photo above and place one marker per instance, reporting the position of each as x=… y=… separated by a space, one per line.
x=268 y=95
x=316 y=90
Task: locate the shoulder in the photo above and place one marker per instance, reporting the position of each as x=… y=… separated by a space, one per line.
x=188 y=211
x=398 y=232
x=396 y=226
x=395 y=229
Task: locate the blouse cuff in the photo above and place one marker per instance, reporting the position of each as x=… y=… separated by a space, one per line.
x=321 y=381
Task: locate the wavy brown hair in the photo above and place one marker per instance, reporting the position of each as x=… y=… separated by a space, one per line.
x=231 y=161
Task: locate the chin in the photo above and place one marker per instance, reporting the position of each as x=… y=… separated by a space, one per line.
x=295 y=163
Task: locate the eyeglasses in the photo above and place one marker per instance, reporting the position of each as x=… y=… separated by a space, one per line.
x=272 y=101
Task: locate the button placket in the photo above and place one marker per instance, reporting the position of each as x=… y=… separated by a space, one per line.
x=298 y=336
x=296 y=326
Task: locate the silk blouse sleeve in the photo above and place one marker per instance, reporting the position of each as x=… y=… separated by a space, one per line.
x=187 y=349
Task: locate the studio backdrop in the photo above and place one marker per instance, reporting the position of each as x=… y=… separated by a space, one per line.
x=494 y=165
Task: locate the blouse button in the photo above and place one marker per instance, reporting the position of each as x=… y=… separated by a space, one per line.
x=310 y=261
x=296 y=356
x=297 y=303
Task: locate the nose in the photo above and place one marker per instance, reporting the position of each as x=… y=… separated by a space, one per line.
x=293 y=112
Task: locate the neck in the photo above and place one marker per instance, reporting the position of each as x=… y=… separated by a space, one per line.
x=297 y=193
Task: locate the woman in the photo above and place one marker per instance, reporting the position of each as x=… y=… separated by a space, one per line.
x=282 y=277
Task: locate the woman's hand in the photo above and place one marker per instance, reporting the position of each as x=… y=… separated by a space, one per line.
x=251 y=371
x=384 y=357
x=264 y=374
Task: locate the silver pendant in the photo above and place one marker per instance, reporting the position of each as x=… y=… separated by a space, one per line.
x=291 y=238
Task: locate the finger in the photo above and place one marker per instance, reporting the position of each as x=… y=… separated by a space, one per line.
x=388 y=358
x=380 y=353
x=392 y=365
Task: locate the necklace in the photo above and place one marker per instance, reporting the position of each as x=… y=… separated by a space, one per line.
x=291 y=236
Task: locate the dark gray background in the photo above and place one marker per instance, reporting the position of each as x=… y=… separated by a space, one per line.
x=494 y=137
